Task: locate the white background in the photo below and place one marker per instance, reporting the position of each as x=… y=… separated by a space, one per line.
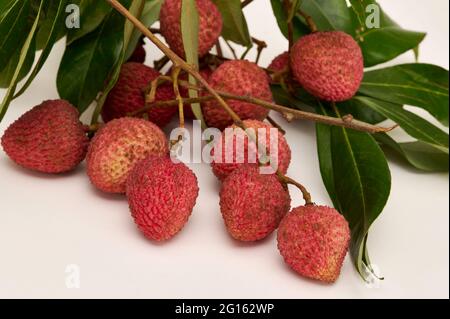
x=49 y=222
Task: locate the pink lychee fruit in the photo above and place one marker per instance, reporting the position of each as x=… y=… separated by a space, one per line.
x=313 y=241
x=161 y=195
x=49 y=138
x=209 y=25
x=252 y=204
x=329 y=65
x=128 y=95
x=117 y=147
x=238 y=77
x=280 y=62
x=237 y=148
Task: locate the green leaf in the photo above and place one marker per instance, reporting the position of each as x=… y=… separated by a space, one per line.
x=28 y=45
x=234 y=24
x=300 y=29
x=384 y=42
x=357 y=177
x=413 y=124
x=329 y=15
x=189 y=31
x=148 y=16
x=359 y=110
x=48 y=25
x=52 y=35
x=418 y=154
x=87 y=62
x=137 y=8
x=14 y=28
x=422 y=85
x=7 y=74
x=92 y=14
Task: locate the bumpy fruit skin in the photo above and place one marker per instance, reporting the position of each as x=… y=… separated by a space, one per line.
x=210 y=25
x=329 y=65
x=49 y=138
x=117 y=147
x=314 y=241
x=280 y=62
x=252 y=204
x=161 y=196
x=128 y=95
x=238 y=77
x=222 y=169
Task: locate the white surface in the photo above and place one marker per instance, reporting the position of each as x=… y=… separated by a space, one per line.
x=49 y=222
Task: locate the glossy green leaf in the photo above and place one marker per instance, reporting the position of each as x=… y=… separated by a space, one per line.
x=52 y=36
x=299 y=28
x=329 y=15
x=137 y=9
x=92 y=14
x=14 y=28
x=234 y=24
x=7 y=74
x=148 y=16
x=88 y=61
x=420 y=155
x=28 y=45
x=384 y=42
x=422 y=85
x=357 y=177
x=48 y=25
x=189 y=31
x=359 y=110
x=413 y=124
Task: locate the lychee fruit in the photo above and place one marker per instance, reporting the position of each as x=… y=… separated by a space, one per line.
x=313 y=241
x=252 y=204
x=238 y=77
x=49 y=138
x=280 y=62
x=329 y=65
x=161 y=195
x=128 y=95
x=237 y=148
x=117 y=147
x=209 y=25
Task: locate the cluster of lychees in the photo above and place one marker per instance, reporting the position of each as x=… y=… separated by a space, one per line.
x=131 y=155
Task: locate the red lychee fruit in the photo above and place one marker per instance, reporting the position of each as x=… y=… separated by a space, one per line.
x=128 y=95
x=233 y=156
x=252 y=204
x=329 y=65
x=49 y=138
x=313 y=241
x=238 y=77
x=209 y=25
x=280 y=63
x=117 y=147
x=161 y=195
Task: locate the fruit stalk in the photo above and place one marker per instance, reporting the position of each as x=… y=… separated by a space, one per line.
x=291 y=113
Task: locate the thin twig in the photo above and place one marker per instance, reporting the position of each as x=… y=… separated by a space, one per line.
x=155 y=30
x=309 y=20
x=233 y=52
x=275 y=124
x=246 y=3
x=287 y=8
x=159 y=64
x=261 y=45
x=306 y=195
